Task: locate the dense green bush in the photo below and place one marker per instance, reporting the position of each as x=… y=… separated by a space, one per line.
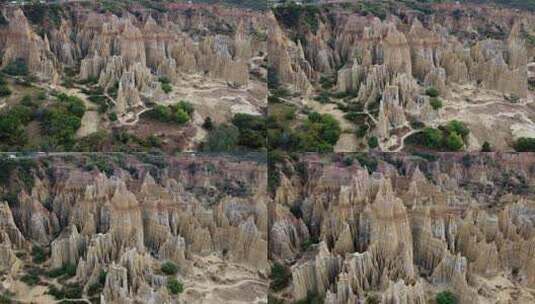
x=222 y=138
x=60 y=125
x=38 y=254
x=169 y=268
x=525 y=144
x=4 y=91
x=486 y=147
x=30 y=279
x=175 y=286
x=167 y=88
x=454 y=142
x=17 y=67
x=432 y=138
x=208 y=124
x=458 y=127
x=12 y=131
x=436 y=103
x=179 y=113
x=252 y=129
x=446 y=297
x=280 y=277
x=432 y=92
x=68 y=270
x=320 y=132
x=293 y=15
x=373 y=142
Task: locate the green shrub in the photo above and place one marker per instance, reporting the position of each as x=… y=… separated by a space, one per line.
x=362 y=131
x=175 y=286
x=454 y=142
x=458 y=127
x=68 y=270
x=112 y=116
x=436 y=103
x=39 y=254
x=525 y=144
x=4 y=91
x=179 y=113
x=373 y=299
x=280 y=277
x=169 y=268
x=17 y=67
x=222 y=138
x=252 y=130
x=446 y=297
x=167 y=88
x=6 y=297
x=432 y=92
x=60 y=125
x=30 y=279
x=208 y=124
x=486 y=147
x=373 y=142
x=432 y=138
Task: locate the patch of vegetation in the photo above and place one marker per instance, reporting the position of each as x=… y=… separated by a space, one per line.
x=31 y=279
x=432 y=92
x=179 y=113
x=524 y=144
x=309 y=242
x=311 y=298
x=280 y=277
x=175 y=286
x=252 y=130
x=43 y=14
x=17 y=67
x=372 y=299
x=4 y=88
x=68 y=270
x=293 y=16
x=70 y=291
x=373 y=142
x=165 y=83
x=61 y=121
x=208 y=124
x=39 y=255
x=436 y=103
x=222 y=138
x=451 y=137
x=446 y=297
x=367 y=161
x=7 y=296
x=169 y=268
x=486 y=147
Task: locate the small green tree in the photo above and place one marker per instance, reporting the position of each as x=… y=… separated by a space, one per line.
x=373 y=142
x=432 y=92
x=175 y=286
x=280 y=277
x=208 y=124
x=432 y=138
x=446 y=297
x=222 y=138
x=486 y=147
x=436 y=103
x=454 y=142
x=169 y=268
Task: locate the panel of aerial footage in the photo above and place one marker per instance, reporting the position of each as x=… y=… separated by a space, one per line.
x=267 y=151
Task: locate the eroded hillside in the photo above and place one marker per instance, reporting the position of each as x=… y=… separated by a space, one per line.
x=401 y=228
x=139 y=228
x=396 y=74
x=162 y=78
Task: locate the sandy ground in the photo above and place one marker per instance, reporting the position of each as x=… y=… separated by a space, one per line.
x=90 y=123
x=215 y=281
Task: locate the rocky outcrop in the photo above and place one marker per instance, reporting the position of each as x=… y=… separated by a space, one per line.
x=133 y=51
x=128 y=223
x=407 y=230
